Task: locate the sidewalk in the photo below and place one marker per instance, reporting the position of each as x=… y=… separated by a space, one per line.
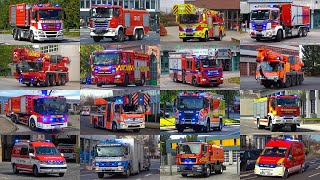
x=152 y=125
x=6 y=126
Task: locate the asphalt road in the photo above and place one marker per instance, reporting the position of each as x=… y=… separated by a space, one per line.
x=250 y=83
x=114 y=87
x=87 y=129
x=249 y=127
x=24 y=130
x=312 y=172
x=6 y=173
x=226 y=130
x=152 y=38
x=13 y=84
x=152 y=174
x=166 y=83
x=8 y=40
x=312 y=39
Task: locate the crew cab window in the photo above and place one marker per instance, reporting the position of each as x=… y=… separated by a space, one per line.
x=204 y=149
x=116 y=12
x=275 y=15
x=31 y=150
x=24 y=150
x=189 y=64
x=273 y=103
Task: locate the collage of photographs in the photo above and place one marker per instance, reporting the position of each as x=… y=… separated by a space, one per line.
x=159 y=89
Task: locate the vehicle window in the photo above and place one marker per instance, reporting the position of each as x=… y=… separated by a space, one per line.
x=275 y=15
x=24 y=150
x=31 y=150
x=248 y=155
x=204 y=149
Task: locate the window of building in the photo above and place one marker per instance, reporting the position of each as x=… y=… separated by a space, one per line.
x=49 y=48
x=115 y=2
x=87 y=4
x=93 y=2
x=82 y=4
x=153 y=4
x=126 y=4
x=148 y=4
x=131 y=4
x=136 y=4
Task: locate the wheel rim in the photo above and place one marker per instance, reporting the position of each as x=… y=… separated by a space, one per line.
x=208 y=171
x=258 y=125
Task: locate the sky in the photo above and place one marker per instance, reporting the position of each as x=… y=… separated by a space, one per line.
x=69 y=94
x=166 y=5
x=96 y=93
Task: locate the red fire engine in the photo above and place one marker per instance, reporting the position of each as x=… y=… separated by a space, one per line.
x=107 y=21
x=119 y=67
x=39 y=68
x=39 y=111
x=121 y=112
x=194 y=70
x=36 y=22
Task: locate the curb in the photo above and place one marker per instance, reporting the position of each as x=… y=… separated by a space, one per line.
x=15 y=126
x=152 y=126
x=235 y=40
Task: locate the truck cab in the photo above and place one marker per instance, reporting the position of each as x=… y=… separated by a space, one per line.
x=39 y=157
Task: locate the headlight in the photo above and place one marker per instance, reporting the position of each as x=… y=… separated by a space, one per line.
x=43 y=162
x=119 y=163
x=117 y=76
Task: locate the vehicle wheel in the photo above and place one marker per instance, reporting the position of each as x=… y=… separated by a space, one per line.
x=207 y=128
x=220 y=126
x=183 y=76
x=293 y=128
x=258 y=124
x=136 y=130
x=206 y=37
x=35 y=84
x=141 y=34
x=46 y=82
x=194 y=82
x=293 y=81
x=95 y=124
x=61 y=174
x=35 y=171
x=15 y=34
x=126 y=80
x=304 y=32
x=258 y=39
x=279 y=36
x=298 y=80
x=100 y=175
x=175 y=79
x=143 y=80
x=299 y=32
x=58 y=83
x=51 y=80
x=14 y=169
x=208 y=171
x=273 y=128
x=135 y=36
x=19 y=35
x=96 y=38
x=220 y=36
x=244 y=167
x=288 y=82
x=120 y=37
x=180 y=129
x=114 y=127
x=128 y=172
x=32 y=125
x=99 y=84
x=138 y=169
x=267 y=85
x=63 y=80
x=184 y=40
x=301 y=169
x=31 y=37
x=220 y=170
x=14 y=119
x=285 y=174
x=184 y=175
x=28 y=84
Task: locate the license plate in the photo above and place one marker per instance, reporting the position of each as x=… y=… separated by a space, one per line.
x=265 y=172
x=189 y=33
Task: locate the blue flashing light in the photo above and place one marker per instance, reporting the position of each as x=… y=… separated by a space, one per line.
x=288 y=139
x=261 y=165
x=180 y=114
x=47 y=140
x=272 y=166
x=182 y=119
x=51 y=119
x=44 y=119
x=197 y=114
x=113 y=70
x=16 y=141
x=56 y=5
x=140 y=99
x=40 y=5
x=110 y=141
x=63 y=118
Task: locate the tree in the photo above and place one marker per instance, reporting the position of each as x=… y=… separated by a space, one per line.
x=87 y=100
x=163 y=139
x=310 y=56
x=167 y=97
x=228 y=96
x=85 y=51
x=190 y=138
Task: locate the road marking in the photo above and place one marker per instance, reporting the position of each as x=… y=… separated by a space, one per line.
x=313 y=175
x=148 y=175
x=318 y=167
x=86 y=174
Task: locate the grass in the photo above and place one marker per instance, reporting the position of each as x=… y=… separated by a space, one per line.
x=234 y=80
x=170 y=121
x=5 y=32
x=312 y=119
x=228 y=121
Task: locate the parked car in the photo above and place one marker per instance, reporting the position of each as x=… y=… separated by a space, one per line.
x=248 y=159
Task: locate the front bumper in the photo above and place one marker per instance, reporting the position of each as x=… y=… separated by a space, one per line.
x=286 y=120
x=192 y=169
x=264 y=171
x=131 y=125
x=48 y=35
x=109 y=79
x=53 y=168
x=119 y=169
x=191 y=35
x=111 y=32
x=265 y=34
x=52 y=126
x=213 y=81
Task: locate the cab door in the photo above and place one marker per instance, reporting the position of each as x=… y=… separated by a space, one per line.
x=189 y=71
x=290 y=160
x=210 y=26
x=108 y=116
x=24 y=160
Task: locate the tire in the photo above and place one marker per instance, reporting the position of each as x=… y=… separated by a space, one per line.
x=19 y=35
x=128 y=172
x=285 y=174
x=184 y=175
x=96 y=39
x=31 y=37
x=258 y=39
x=220 y=171
x=46 y=82
x=293 y=128
x=194 y=81
x=220 y=126
x=267 y=85
x=183 y=77
x=208 y=171
x=32 y=125
x=135 y=36
x=14 y=119
x=51 y=81
x=136 y=130
x=139 y=169
x=244 y=167
x=184 y=40
x=35 y=84
x=143 y=81
x=304 y=32
x=220 y=36
x=126 y=80
x=293 y=81
x=207 y=128
x=61 y=174
x=63 y=80
x=95 y=123
x=140 y=34
x=206 y=37
x=175 y=79
x=28 y=84
x=180 y=129
x=120 y=36
x=279 y=36
x=301 y=170
x=58 y=83
x=258 y=124
x=114 y=127
x=100 y=175
x=99 y=84
x=298 y=80
x=14 y=169
x=15 y=34
x=288 y=82
x=35 y=171
x=299 y=32
x=273 y=128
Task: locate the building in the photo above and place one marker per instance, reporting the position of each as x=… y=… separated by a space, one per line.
x=230 y=9
x=259 y=141
x=153 y=6
x=3 y=101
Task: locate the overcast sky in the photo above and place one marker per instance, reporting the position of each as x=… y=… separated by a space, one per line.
x=69 y=94
x=97 y=93
x=166 y=5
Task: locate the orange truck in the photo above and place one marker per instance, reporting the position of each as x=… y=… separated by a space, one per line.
x=275 y=69
x=122 y=112
x=198 y=23
x=108 y=21
x=277 y=112
x=199 y=158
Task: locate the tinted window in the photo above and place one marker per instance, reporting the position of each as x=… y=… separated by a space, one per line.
x=24 y=150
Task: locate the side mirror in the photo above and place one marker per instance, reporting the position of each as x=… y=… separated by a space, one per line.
x=31 y=155
x=290 y=156
x=62 y=154
x=34 y=15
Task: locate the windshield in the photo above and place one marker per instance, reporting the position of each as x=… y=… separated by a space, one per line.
x=51 y=106
x=128 y=109
x=29 y=67
x=274 y=151
x=50 y=14
x=47 y=150
x=109 y=151
x=270 y=66
x=260 y=15
x=102 y=12
x=287 y=102
x=193 y=103
x=189 y=18
x=106 y=59
x=189 y=149
x=209 y=63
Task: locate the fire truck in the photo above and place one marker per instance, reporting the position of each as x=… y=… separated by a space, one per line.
x=39 y=111
x=277 y=111
x=121 y=112
x=119 y=67
x=279 y=21
x=198 y=23
x=68 y=151
x=201 y=70
x=108 y=21
x=199 y=158
x=275 y=69
x=36 y=22
x=200 y=111
x=40 y=68
x=7 y=112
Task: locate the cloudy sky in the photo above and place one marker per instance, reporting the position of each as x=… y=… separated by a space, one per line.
x=69 y=94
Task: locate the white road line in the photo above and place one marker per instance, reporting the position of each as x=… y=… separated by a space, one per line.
x=148 y=175
x=313 y=175
x=318 y=167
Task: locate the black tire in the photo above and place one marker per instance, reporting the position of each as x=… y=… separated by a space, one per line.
x=298 y=80
x=128 y=173
x=207 y=171
x=267 y=85
x=58 y=83
x=28 y=84
x=258 y=124
x=126 y=80
x=143 y=81
x=61 y=174
x=279 y=36
x=206 y=37
x=114 y=127
x=140 y=34
x=99 y=84
x=220 y=36
x=19 y=38
x=273 y=128
x=183 y=77
x=31 y=37
x=46 y=82
x=301 y=170
x=135 y=36
x=304 y=32
x=100 y=175
x=220 y=170
x=35 y=84
x=299 y=32
x=14 y=169
x=293 y=128
x=120 y=36
x=32 y=125
x=180 y=129
x=285 y=174
x=51 y=80
x=194 y=81
x=288 y=82
x=244 y=167
x=96 y=39
x=136 y=130
x=184 y=175
x=14 y=119
x=63 y=80
x=35 y=171
x=15 y=34
x=207 y=128
x=175 y=79
x=293 y=81
x=95 y=123
x=258 y=39
x=184 y=40
x=220 y=126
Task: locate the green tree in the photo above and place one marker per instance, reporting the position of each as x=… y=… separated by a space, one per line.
x=190 y=138
x=228 y=96
x=167 y=96
x=163 y=139
x=310 y=56
x=85 y=51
